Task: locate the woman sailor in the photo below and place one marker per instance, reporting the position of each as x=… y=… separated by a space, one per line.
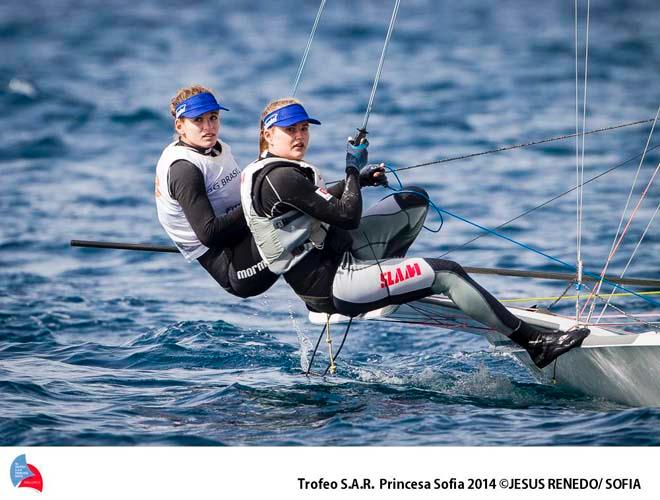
x=198 y=197
x=308 y=234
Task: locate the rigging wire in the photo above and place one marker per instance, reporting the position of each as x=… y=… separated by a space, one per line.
x=523 y=145
x=545 y=203
x=563 y=296
x=363 y=128
x=539 y=252
x=625 y=209
x=309 y=45
x=516 y=242
x=557 y=299
x=316 y=348
x=619 y=237
x=627 y=315
x=632 y=256
x=518 y=146
x=577 y=153
x=437 y=319
x=579 y=168
x=577 y=119
x=331 y=366
x=440 y=211
x=569 y=297
x=579 y=165
x=623 y=234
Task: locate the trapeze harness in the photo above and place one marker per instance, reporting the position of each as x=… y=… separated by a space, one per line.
x=286 y=238
x=198 y=203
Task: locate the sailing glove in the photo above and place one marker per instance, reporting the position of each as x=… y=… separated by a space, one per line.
x=356 y=154
x=373 y=175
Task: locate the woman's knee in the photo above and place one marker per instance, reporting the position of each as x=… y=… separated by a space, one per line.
x=442 y=265
x=413 y=196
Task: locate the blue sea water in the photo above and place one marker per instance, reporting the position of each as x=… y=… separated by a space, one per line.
x=103 y=347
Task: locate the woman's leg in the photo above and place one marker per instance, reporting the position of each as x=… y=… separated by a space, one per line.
x=361 y=286
x=390 y=226
x=542 y=346
x=240 y=270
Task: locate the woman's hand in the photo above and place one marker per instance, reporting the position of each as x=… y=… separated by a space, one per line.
x=356 y=154
x=373 y=175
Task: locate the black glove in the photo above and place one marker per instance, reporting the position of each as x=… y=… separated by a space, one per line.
x=373 y=175
x=356 y=154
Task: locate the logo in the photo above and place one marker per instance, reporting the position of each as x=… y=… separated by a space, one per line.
x=232 y=175
x=270 y=120
x=25 y=475
x=180 y=110
x=323 y=194
x=389 y=278
x=251 y=271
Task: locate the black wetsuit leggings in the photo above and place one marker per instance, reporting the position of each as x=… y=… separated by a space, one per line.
x=240 y=269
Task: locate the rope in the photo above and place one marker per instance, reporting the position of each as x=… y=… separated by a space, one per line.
x=618 y=243
x=627 y=315
x=561 y=296
x=380 y=65
x=632 y=256
x=332 y=367
x=580 y=182
x=539 y=252
x=584 y=124
x=545 y=203
x=523 y=145
x=329 y=367
x=625 y=209
x=579 y=166
x=401 y=189
x=523 y=245
x=567 y=297
x=437 y=322
x=428 y=315
x=309 y=45
x=316 y=347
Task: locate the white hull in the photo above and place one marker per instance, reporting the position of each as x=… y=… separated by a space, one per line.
x=619 y=367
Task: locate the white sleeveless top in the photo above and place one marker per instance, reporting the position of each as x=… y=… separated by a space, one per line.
x=222 y=181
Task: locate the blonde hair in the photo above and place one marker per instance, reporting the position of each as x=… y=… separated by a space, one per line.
x=185 y=93
x=270 y=107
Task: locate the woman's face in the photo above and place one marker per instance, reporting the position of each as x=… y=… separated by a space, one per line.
x=288 y=142
x=201 y=131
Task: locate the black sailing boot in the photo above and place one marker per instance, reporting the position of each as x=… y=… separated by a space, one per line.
x=545 y=347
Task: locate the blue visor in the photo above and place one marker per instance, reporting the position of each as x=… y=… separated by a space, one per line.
x=198 y=105
x=288 y=115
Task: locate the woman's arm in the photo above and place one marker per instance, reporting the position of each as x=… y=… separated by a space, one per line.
x=337 y=189
x=186 y=185
x=287 y=186
x=371 y=175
